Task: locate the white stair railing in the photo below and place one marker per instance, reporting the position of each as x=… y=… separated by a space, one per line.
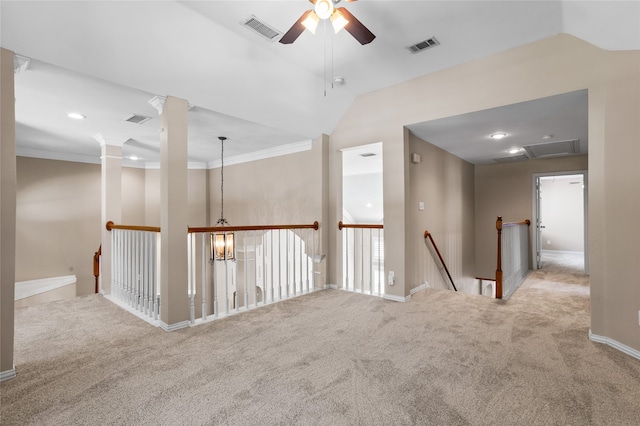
x=135 y=269
x=363 y=258
x=268 y=264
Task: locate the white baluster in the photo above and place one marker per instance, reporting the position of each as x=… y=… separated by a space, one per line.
x=226 y=286
x=246 y=271
x=214 y=279
x=204 y=277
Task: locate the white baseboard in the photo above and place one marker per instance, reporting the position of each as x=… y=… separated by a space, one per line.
x=562 y=251
x=9 y=374
x=396 y=298
x=30 y=288
x=614 y=344
x=174 y=327
x=331 y=286
x=419 y=288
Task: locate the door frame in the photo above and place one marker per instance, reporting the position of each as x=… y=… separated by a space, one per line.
x=536 y=205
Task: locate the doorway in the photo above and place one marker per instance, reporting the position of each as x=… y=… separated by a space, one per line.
x=560 y=218
x=363 y=216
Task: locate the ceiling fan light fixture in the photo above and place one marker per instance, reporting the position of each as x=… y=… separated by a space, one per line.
x=338 y=21
x=311 y=21
x=324 y=8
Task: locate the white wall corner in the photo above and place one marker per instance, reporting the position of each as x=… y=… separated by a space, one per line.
x=614 y=344
x=9 y=374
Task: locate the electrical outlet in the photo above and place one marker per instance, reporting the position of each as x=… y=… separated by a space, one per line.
x=392 y=278
x=549 y=242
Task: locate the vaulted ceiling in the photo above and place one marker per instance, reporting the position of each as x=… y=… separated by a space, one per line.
x=106 y=60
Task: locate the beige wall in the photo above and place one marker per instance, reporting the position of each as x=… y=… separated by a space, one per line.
x=444 y=183
x=615 y=203
x=58 y=220
x=552 y=66
x=197 y=197
x=133 y=187
x=58 y=217
x=506 y=190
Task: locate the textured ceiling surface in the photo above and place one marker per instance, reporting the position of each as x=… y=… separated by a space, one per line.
x=106 y=60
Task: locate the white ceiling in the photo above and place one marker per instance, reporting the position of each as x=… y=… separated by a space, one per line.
x=106 y=60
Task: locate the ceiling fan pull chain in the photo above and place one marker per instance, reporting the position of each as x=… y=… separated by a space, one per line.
x=324 y=30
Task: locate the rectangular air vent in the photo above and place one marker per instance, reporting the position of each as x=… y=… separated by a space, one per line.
x=137 y=119
x=553 y=149
x=265 y=30
x=424 y=45
x=511 y=159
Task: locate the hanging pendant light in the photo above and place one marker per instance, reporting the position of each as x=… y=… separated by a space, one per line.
x=222 y=243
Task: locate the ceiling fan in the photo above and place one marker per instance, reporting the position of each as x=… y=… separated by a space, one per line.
x=340 y=18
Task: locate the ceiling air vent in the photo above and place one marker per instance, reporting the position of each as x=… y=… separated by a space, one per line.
x=424 y=45
x=265 y=30
x=511 y=159
x=137 y=119
x=553 y=149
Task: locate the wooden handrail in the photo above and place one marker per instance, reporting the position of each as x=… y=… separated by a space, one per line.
x=315 y=225
x=499 y=226
x=522 y=222
x=428 y=235
x=111 y=225
x=359 y=226
x=96 y=266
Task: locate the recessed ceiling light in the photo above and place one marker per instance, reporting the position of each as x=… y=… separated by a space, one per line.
x=514 y=150
x=133 y=157
x=369 y=205
x=76 y=116
x=498 y=135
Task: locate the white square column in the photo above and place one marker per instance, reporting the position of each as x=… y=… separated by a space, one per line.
x=174 y=301
x=111 y=208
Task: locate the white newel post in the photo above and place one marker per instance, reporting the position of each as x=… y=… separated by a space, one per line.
x=174 y=299
x=111 y=210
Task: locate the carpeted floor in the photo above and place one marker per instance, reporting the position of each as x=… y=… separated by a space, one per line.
x=328 y=358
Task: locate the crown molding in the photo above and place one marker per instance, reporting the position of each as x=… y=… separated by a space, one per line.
x=51 y=155
x=263 y=154
x=277 y=151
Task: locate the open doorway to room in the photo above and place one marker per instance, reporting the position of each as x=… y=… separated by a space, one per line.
x=363 y=218
x=560 y=215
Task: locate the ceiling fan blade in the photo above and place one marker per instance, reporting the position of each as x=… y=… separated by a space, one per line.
x=295 y=31
x=357 y=28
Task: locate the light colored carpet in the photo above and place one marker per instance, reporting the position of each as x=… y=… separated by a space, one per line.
x=328 y=358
